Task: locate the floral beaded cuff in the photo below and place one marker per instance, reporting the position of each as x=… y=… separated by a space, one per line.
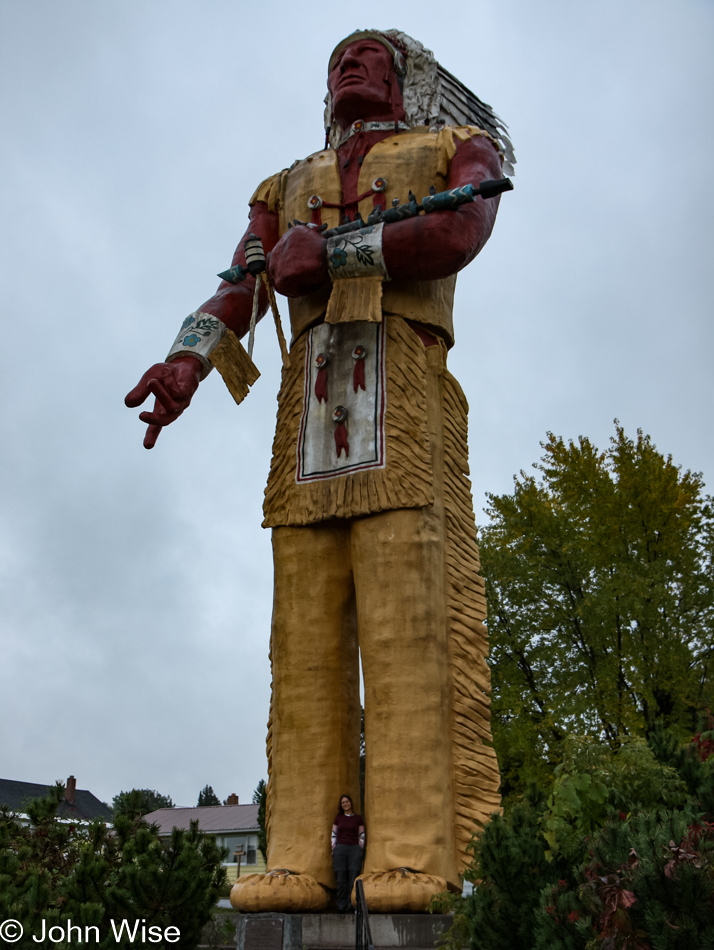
x=199 y=335
x=356 y=253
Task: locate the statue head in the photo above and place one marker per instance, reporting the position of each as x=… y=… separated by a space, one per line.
x=385 y=75
x=364 y=80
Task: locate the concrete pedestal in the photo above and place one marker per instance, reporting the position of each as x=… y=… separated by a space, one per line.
x=337 y=931
x=410 y=931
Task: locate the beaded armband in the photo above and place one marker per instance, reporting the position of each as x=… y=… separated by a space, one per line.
x=199 y=335
x=213 y=344
x=356 y=253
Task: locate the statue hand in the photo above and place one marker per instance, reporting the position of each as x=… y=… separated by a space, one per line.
x=298 y=263
x=173 y=384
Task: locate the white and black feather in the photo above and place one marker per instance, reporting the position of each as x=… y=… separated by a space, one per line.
x=460 y=106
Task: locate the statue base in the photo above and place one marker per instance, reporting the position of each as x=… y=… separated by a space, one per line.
x=326 y=931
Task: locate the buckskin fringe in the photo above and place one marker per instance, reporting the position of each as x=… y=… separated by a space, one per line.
x=269 y=751
x=355 y=295
x=406 y=481
x=235 y=366
x=476 y=777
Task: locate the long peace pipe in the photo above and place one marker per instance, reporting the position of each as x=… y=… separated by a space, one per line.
x=441 y=201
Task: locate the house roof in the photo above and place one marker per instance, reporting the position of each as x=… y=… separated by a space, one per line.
x=85 y=807
x=216 y=819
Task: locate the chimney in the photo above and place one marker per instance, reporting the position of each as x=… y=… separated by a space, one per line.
x=232 y=799
x=70 y=789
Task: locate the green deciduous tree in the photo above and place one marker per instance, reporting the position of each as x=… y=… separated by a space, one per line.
x=139 y=801
x=592 y=783
x=600 y=599
x=208 y=797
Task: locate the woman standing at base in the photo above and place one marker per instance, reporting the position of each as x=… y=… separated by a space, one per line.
x=347 y=849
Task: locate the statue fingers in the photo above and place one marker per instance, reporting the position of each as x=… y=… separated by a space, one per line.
x=137 y=395
x=156 y=387
x=159 y=417
x=143 y=388
x=152 y=434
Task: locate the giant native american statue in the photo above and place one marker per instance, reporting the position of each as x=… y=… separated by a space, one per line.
x=368 y=496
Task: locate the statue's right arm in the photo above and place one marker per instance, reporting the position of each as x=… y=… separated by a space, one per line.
x=174 y=381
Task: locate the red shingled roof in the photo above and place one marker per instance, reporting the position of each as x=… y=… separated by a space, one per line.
x=216 y=819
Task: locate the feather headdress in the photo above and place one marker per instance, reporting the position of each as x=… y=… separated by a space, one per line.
x=432 y=96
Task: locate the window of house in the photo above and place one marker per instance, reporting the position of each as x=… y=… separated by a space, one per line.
x=251 y=851
x=232 y=842
x=250 y=848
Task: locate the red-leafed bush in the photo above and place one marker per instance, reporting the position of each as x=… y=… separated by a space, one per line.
x=623 y=861
x=704 y=744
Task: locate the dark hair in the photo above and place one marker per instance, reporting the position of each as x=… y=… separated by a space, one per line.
x=340 y=809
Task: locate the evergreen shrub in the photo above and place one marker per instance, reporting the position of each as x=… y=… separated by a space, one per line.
x=620 y=856
x=58 y=872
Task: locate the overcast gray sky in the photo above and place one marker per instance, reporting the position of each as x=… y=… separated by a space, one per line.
x=135 y=587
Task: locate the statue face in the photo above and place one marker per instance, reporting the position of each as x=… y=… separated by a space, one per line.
x=361 y=83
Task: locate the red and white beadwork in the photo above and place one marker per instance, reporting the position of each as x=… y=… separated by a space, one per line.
x=342 y=424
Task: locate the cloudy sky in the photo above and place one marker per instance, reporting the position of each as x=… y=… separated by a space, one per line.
x=135 y=586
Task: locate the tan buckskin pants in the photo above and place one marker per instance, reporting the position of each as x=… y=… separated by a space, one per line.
x=376 y=586
x=382 y=576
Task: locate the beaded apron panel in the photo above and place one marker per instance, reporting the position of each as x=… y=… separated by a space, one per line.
x=342 y=423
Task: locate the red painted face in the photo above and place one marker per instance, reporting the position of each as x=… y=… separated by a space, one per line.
x=361 y=83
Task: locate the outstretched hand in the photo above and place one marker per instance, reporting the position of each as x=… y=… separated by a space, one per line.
x=173 y=385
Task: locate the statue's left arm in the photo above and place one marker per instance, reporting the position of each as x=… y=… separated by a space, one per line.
x=437 y=245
